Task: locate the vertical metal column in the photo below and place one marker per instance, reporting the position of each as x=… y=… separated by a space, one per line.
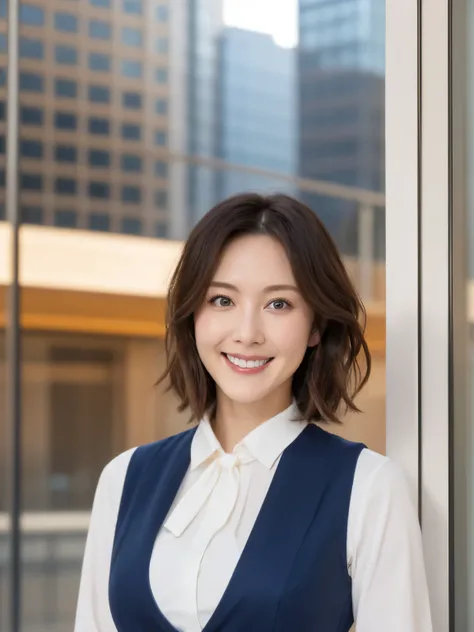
x=13 y=327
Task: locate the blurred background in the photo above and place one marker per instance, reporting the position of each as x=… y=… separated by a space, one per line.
x=136 y=116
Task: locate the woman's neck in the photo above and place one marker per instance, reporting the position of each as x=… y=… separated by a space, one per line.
x=234 y=421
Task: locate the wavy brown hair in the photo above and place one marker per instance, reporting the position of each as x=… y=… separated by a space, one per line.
x=332 y=373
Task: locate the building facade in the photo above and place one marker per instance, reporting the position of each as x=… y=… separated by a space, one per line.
x=341 y=106
x=257 y=111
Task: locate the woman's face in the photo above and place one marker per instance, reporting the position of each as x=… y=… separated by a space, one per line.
x=254 y=326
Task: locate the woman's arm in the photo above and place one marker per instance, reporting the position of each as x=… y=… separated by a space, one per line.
x=388 y=575
x=93 y=611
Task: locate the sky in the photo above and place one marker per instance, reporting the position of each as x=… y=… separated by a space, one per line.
x=277 y=17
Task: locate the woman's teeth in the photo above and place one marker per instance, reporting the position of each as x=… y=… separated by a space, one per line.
x=246 y=364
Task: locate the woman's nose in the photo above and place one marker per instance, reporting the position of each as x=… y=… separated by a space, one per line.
x=249 y=330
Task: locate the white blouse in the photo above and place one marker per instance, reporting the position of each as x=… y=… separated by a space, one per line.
x=207 y=527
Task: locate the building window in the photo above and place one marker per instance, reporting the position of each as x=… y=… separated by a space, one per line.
x=32 y=15
x=161 y=75
x=65 y=22
x=161 y=230
x=66 y=55
x=131 y=68
x=31 y=48
x=65 y=120
x=131 y=37
x=101 y=3
x=31 y=148
x=65 y=153
x=161 y=198
x=31 y=181
x=31 y=215
x=65 y=88
x=99 y=221
x=4 y=43
x=132 y=100
x=161 y=45
x=131 y=226
x=131 y=162
x=99 y=158
x=99 y=94
x=65 y=219
x=2 y=110
x=130 y=131
x=31 y=82
x=131 y=194
x=65 y=186
x=161 y=169
x=162 y=13
x=99 y=62
x=161 y=106
x=132 y=6
x=2 y=145
x=99 y=126
x=160 y=138
x=99 y=190
x=98 y=29
x=31 y=115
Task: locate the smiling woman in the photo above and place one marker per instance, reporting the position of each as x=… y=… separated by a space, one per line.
x=257 y=519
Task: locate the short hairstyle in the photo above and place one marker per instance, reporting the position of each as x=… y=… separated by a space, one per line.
x=330 y=374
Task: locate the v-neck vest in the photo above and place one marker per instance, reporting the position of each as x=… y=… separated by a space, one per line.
x=292 y=574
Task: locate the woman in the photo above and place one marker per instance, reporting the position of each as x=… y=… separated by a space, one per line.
x=257 y=519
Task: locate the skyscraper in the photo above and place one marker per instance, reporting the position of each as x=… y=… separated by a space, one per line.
x=341 y=91
x=257 y=111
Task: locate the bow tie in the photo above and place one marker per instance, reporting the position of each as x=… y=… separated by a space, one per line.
x=218 y=487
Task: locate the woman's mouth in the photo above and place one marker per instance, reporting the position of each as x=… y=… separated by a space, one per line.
x=246 y=365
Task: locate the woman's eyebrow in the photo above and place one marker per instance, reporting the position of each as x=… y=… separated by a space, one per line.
x=269 y=288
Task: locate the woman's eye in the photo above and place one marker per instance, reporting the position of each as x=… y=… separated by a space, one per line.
x=279 y=304
x=221 y=301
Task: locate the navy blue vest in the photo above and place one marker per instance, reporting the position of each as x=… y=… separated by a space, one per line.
x=292 y=575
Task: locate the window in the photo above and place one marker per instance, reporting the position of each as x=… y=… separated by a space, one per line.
x=99 y=190
x=100 y=3
x=2 y=110
x=31 y=115
x=99 y=158
x=32 y=15
x=31 y=82
x=65 y=120
x=65 y=186
x=65 y=88
x=131 y=37
x=99 y=221
x=162 y=13
x=161 y=230
x=65 y=22
x=31 y=48
x=131 y=131
x=161 y=106
x=161 y=198
x=161 y=45
x=131 y=68
x=131 y=226
x=31 y=181
x=132 y=100
x=132 y=6
x=98 y=29
x=161 y=75
x=131 y=194
x=99 y=125
x=131 y=162
x=31 y=214
x=161 y=169
x=65 y=153
x=160 y=138
x=4 y=43
x=65 y=219
x=99 y=62
x=66 y=55
x=31 y=148
x=99 y=94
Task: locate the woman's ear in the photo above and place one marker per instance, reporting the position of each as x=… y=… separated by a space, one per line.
x=314 y=338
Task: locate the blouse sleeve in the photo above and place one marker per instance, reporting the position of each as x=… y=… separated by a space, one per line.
x=93 y=610
x=388 y=575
